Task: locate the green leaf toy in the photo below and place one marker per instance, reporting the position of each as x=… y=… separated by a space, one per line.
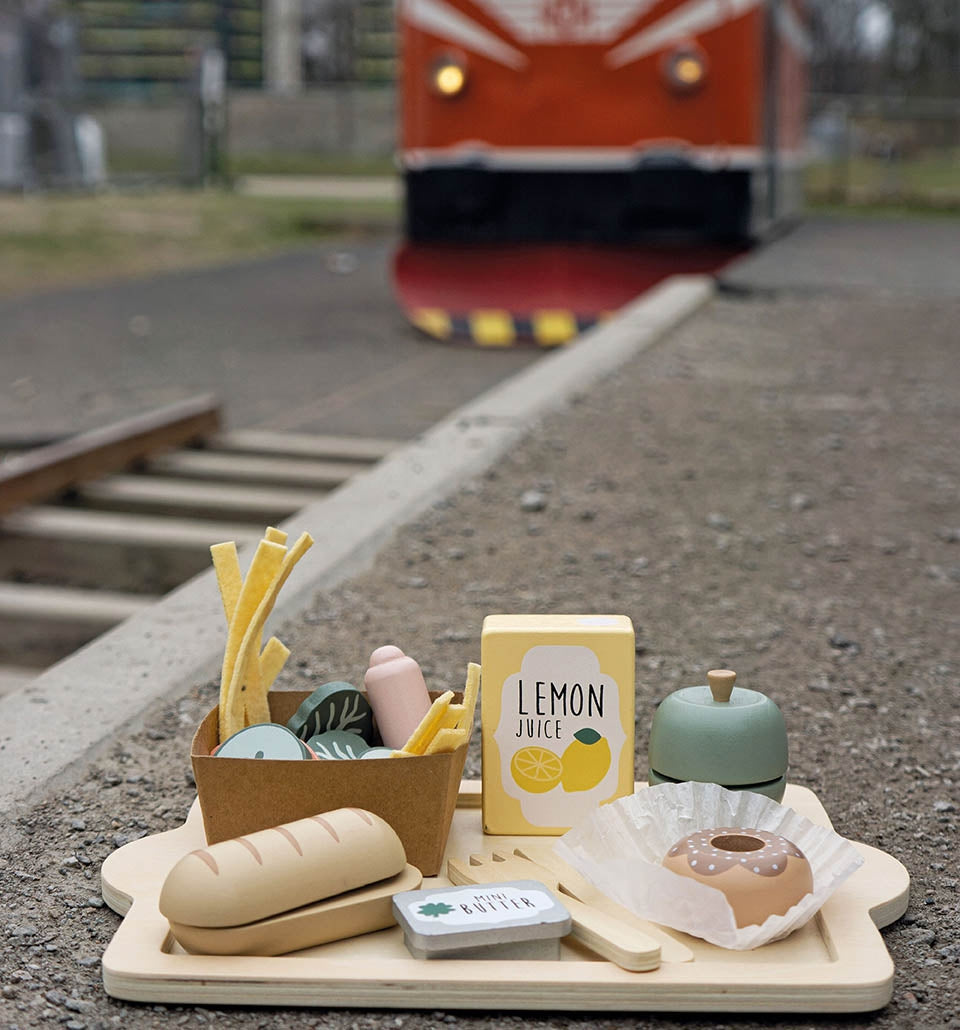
x=334 y=706
x=337 y=744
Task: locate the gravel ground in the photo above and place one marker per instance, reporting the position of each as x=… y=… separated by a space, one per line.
x=773 y=488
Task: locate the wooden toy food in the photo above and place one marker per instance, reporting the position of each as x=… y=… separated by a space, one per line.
x=265 y=740
x=338 y=744
x=397 y=693
x=446 y=726
x=259 y=894
x=761 y=874
x=334 y=706
x=517 y=919
x=720 y=734
x=616 y=940
x=558 y=719
x=247 y=672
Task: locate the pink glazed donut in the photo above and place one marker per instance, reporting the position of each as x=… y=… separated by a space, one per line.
x=761 y=874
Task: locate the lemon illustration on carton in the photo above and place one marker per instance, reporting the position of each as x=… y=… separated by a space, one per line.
x=536 y=769
x=585 y=761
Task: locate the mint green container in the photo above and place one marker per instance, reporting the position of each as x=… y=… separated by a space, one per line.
x=720 y=734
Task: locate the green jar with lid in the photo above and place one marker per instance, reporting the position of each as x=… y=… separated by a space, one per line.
x=719 y=733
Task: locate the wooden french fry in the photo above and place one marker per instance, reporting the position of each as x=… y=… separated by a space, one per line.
x=233 y=702
x=272 y=660
x=263 y=571
x=273 y=657
x=447 y=740
x=275 y=536
x=430 y=724
x=226 y=564
x=461 y=716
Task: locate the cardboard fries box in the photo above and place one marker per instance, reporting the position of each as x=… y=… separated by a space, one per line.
x=417 y=796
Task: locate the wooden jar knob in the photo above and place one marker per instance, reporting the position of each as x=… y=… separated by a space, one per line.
x=721 y=683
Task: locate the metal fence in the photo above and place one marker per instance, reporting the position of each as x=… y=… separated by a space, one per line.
x=870 y=150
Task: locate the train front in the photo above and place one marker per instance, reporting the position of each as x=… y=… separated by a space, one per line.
x=546 y=143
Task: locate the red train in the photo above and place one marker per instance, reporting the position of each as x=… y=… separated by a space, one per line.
x=592 y=124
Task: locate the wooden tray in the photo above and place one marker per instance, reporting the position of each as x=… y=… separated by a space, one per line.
x=836 y=963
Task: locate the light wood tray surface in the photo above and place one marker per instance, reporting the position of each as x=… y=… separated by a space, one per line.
x=836 y=963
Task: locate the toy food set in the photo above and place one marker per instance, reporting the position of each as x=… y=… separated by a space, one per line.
x=720 y=734
x=290 y=887
x=761 y=874
x=620 y=848
x=242 y=751
x=557 y=719
x=317 y=809
x=836 y=962
x=613 y=939
x=516 y=919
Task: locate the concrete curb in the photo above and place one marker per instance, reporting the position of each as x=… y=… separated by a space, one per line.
x=73 y=710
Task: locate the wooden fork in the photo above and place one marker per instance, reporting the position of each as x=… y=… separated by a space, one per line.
x=613 y=939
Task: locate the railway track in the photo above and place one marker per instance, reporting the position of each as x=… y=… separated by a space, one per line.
x=98 y=526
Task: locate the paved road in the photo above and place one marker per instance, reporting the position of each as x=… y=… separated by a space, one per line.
x=919 y=256
x=309 y=341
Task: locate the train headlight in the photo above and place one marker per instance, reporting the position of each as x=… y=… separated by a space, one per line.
x=448 y=76
x=685 y=69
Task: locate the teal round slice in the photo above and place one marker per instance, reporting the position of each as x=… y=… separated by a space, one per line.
x=378 y=752
x=337 y=744
x=263 y=740
x=334 y=706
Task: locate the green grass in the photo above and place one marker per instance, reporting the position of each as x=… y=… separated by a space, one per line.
x=923 y=182
x=168 y=163
x=48 y=241
x=311 y=164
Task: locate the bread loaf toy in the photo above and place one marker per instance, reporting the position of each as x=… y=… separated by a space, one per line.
x=761 y=874
x=280 y=889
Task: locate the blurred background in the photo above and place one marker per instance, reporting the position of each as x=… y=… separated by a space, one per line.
x=146 y=101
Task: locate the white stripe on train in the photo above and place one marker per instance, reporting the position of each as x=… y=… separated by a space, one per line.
x=677 y=25
x=680 y=24
x=447 y=22
x=709 y=158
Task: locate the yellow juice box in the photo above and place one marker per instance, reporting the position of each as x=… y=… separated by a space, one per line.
x=557 y=717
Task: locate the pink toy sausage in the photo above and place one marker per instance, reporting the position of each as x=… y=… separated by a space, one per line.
x=397 y=694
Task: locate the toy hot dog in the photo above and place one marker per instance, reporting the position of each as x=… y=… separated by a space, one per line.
x=277 y=890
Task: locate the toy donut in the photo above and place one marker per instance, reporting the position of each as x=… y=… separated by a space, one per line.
x=761 y=874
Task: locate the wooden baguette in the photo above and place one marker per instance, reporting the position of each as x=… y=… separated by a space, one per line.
x=272 y=871
x=346 y=915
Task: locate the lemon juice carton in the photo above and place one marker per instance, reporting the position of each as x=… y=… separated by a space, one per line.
x=557 y=715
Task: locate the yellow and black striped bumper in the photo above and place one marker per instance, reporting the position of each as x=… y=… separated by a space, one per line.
x=497 y=328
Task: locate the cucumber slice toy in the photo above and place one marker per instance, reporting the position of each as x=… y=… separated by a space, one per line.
x=263 y=740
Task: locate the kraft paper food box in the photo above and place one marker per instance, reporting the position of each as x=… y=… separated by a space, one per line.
x=557 y=719
x=417 y=796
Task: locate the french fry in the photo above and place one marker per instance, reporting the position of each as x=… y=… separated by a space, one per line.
x=461 y=715
x=264 y=568
x=232 y=700
x=447 y=740
x=429 y=725
x=226 y=564
x=227 y=567
x=272 y=660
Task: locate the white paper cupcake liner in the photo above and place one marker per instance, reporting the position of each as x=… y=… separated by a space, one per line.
x=620 y=846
